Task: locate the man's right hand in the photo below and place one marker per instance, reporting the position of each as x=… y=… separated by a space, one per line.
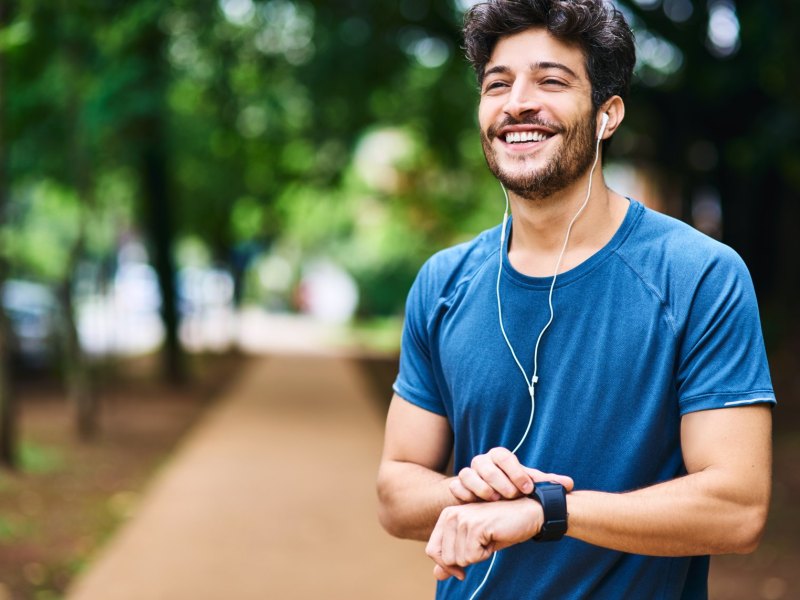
x=499 y=475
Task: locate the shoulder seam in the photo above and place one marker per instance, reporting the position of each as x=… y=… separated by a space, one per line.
x=462 y=282
x=670 y=319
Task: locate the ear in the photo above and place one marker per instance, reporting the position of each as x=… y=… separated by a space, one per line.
x=614 y=107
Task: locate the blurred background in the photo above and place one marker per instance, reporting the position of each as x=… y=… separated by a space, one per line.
x=187 y=183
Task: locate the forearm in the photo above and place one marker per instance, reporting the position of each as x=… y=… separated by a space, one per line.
x=701 y=513
x=411 y=497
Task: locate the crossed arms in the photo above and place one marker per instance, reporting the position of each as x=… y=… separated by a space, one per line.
x=720 y=506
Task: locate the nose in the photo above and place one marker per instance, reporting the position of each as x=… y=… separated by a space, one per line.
x=521 y=99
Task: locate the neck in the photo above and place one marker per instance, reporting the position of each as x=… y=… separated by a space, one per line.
x=540 y=226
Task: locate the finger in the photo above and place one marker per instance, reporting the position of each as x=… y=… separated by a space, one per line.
x=461 y=544
x=441 y=573
x=470 y=548
x=449 y=522
x=462 y=493
x=434 y=546
x=510 y=465
x=488 y=471
x=470 y=481
x=564 y=480
x=441 y=570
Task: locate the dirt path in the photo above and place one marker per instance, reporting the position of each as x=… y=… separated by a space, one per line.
x=271 y=496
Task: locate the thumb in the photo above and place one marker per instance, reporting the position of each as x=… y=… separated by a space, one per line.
x=540 y=476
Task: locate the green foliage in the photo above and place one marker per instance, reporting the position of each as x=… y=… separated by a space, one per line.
x=38 y=459
x=269 y=104
x=46 y=218
x=11 y=528
x=47 y=222
x=15 y=35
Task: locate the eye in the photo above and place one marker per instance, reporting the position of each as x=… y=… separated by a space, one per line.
x=554 y=82
x=494 y=85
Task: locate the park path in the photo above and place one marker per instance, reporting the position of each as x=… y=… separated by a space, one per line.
x=271 y=496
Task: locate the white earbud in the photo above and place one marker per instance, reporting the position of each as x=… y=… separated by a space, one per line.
x=603 y=123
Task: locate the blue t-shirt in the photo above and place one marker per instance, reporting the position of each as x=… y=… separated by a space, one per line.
x=661 y=322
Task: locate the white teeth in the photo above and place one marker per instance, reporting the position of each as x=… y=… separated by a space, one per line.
x=525 y=136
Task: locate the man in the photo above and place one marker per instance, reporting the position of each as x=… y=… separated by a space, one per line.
x=635 y=380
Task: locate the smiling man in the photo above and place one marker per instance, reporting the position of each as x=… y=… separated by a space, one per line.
x=594 y=370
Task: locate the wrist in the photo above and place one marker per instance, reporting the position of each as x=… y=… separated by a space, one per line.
x=535 y=517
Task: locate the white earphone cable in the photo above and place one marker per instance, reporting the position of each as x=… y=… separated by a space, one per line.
x=530 y=383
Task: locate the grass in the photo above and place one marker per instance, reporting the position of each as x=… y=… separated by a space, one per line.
x=68 y=497
x=38 y=459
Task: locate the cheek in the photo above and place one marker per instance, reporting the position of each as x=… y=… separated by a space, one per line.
x=487 y=114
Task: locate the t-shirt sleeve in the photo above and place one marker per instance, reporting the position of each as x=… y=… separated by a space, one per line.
x=722 y=361
x=416 y=380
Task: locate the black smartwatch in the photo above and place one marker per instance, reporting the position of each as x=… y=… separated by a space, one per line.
x=553 y=498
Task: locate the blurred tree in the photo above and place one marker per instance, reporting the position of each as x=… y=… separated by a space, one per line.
x=129 y=110
x=47 y=238
x=223 y=163
x=138 y=48
x=725 y=127
x=78 y=52
x=8 y=422
x=374 y=79
x=712 y=114
x=253 y=124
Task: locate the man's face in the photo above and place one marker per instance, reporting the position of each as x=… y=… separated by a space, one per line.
x=536 y=117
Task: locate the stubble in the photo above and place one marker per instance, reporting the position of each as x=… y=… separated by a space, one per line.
x=571 y=161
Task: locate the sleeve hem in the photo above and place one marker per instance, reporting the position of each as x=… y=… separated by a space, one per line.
x=726 y=400
x=427 y=403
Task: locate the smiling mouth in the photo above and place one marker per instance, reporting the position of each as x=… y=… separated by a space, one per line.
x=521 y=137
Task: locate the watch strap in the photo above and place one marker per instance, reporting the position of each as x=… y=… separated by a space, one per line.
x=553 y=498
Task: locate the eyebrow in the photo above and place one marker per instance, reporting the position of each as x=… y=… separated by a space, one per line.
x=533 y=67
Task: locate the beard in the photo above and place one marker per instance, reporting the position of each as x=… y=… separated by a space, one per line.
x=571 y=161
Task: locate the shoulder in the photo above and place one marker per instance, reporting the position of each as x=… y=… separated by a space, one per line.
x=660 y=243
x=678 y=262
x=671 y=237
x=449 y=269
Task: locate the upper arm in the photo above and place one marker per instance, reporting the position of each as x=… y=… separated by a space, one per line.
x=734 y=445
x=416 y=435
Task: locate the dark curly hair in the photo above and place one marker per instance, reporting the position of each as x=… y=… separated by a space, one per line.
x=596 y=26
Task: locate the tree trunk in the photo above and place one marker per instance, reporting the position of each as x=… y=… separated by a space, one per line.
x=8 y=416
x=154 y=174
x=76 y=367
x=8 y=421
x=77 y=372
x=162 y=233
